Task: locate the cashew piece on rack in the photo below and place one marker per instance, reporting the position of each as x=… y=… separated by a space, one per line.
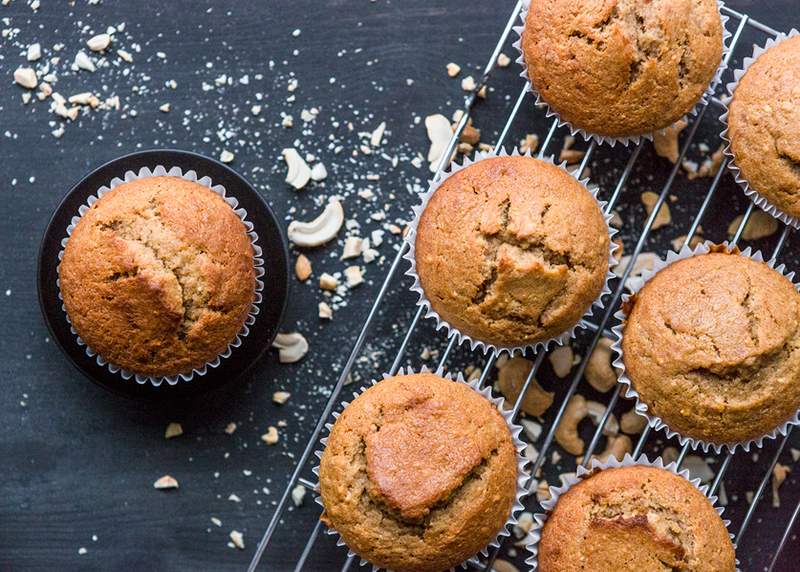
x=511 y=378
x=596 y=411
x=616 y=447
x=321 y=229
x=632 y=423
x=599 y=372
x=291 y=347
x=567 y=431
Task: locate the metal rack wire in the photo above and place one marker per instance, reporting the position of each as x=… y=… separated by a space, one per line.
x=741 y=22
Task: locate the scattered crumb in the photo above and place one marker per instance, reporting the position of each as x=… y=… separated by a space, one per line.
x=166 y=482
x=173 y=430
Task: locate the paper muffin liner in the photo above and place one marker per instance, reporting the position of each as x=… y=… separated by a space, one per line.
x=258 y=261
x=540 y=519
x=461 y=337
x=760 y=201
x=628 y=139
x=522 y=473
x=640 y=407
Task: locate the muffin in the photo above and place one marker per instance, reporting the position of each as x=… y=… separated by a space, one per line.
x=419 y=474
x=622 y=68
x=158 y=276
x=763 y=121
x=634 y=518
x=712 y=347
x=511 y=251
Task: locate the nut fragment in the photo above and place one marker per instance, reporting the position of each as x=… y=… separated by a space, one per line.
x=779 y=474
x=616 y=446
x=632 y=423
x=439 y=134
x=665 y=142
x=354 y=276
x=291 y=347
x=166 y=482
x=302 y=268
x=596 y=410
x=271 y=436
x=321 y=229
x=319 y=172
x=226 y=156
x=663 y=218
x=237 y=538
x=84 y=62
x=281 y=397
x=561 y=359
x=325 y=311
x=352 y=247
x=99 y=42
x=26 y=77
x=599 y=372
x=503 y=60
x=328 y=282
x=299 y=173
x=501 y=565
x=529 y=143
x=173 y=430
x=567 y=432
x=453 y=69
x=511 y=377
x=760 y=225
x=468 y=83
x=34 y=52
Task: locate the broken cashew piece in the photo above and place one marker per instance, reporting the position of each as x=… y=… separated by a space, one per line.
x=291 y=347
x=617 y=446
x=567 y=431
x=599 y=372
x=510 y=380
x=439 y=134
x=299 y=172
x=596 y=410
x=321 y=229
x=632 y=423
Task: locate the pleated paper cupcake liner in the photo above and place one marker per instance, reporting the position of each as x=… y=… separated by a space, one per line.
x=523 y=475
x=606 y=139
x=258 y=261
x=549 y=505
x=451 y=330
x=640 y=407
x=760 y=200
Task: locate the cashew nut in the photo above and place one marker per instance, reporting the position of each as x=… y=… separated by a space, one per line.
x=599 y=372
x=352 y=247
x=779 y=474
x=567 y=431
x=318 y=172
x=510 y=380
x=632 y=423
x=439 y=134
x=531 y=428
x=760 y=225
x=321 y=229
x=291 y=347
x=302 y=268
x=663 y=218
x=665 y=141
x=299 y=172
x=616 y=446
x=561 y=359
x=501 y=565
x=596 y=411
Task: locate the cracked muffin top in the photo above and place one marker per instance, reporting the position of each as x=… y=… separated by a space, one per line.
x=635 y=518
x=419 y=473
x=622 y=67
x=158 y=276
x=764 y=126
x=512 y=251
x=712 y=346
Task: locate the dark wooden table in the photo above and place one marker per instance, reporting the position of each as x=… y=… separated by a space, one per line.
x=79 y=463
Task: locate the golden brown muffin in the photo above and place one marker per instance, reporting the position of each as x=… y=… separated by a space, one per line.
x=712 y=346
x=158 y=276
x=634 y=519
x=419 y=474
x=763 y=126
x=622 y=67
x=512 y=250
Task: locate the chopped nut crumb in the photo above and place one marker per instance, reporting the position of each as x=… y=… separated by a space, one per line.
x=503 y=60
x=663 y=218
x=328 y=282
x=173 y=430
x=302 y=268
x=325 y=311
x=453 y=69
x=237 y=538
x=166 y=482
x=281 y=397
x=271 y=436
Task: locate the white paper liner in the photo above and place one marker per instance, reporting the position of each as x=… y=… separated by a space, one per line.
x=640 y=407
x=612 y=141
x=535 y=534
x=751 y=193
x=522 y=473
x=461 y=337
x=258 y=261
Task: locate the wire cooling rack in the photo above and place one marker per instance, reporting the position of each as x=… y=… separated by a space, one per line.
x=738 y=24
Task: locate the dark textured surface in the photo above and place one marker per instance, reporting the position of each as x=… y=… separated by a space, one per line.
x=81 y=462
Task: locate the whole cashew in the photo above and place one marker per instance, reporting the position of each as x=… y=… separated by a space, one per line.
x=321 y=229
x=567 y=431
x=510 y=380
x=599 y=372
x=616 y=447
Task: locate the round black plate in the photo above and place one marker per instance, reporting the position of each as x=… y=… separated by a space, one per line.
x=275 y=292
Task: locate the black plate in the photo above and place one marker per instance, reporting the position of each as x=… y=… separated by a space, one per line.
x=275 y=292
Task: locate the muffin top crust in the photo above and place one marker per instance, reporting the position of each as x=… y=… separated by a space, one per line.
x=764 y=126
x=512 y=250
x=620 y=68
x=712 y=346
x=419 y=473
x=158 y=276
x=634 y=518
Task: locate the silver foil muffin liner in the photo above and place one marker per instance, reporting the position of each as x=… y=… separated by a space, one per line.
x=539 y=519
x=258 y=261
x=760 y=201
x=627 y=140
x=523 y=475
x=461 y=337
x=640 y=407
